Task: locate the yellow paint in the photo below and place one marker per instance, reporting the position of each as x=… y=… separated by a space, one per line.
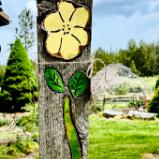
x=52 y=22
x=66 y=30
x=82 y=35
x=80 y=17
x=53 y=43
x=66 y=9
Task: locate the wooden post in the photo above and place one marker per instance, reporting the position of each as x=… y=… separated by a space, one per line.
x=54 y=142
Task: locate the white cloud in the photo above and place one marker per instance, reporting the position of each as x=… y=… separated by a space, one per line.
x=31 y=5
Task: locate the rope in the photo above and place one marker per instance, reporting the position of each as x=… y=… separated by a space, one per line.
x=63 y=62
x=89 y=71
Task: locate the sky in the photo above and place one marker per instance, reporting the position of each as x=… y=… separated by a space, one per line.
x=115 y=22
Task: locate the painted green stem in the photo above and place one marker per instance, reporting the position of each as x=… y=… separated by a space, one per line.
x=71 y=130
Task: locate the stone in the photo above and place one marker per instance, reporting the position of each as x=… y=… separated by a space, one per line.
x=112 y=114
x=141 y=115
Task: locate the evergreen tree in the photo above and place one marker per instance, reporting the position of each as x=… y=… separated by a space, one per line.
x=18 y=81
x=2 y=73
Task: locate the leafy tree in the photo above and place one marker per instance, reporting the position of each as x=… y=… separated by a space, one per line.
x=143 y=59
x=133 y=67
x=123 y=57
x=17 y=87
x=25 y=31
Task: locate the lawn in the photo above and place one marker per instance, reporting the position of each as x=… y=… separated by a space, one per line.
x=122 y=139
x=109 y=139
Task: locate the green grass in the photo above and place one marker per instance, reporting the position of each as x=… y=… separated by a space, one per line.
x=122 y=139
x=150 y=81
x=116 y=105
x=18 y=149
x=109 y=139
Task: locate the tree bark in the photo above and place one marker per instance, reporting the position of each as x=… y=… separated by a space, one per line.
x=53 y=140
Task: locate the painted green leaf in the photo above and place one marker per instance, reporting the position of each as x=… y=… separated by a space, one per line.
x=54 y=80
x=79 y=84
x=71 y=132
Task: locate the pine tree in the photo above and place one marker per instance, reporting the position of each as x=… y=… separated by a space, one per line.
x=18 y=81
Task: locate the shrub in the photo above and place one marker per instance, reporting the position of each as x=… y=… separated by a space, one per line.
x=18 y=149
x=25 y=146
x=30 y=122
x=154 y=103
x=135 y=89
x=157 y=84
x=121 y=89
x=35 y=136
x=4 y=122
x=136 y=103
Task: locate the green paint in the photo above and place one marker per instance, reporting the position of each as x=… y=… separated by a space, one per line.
x=70 y=130
x=79 y=84
x=54 y=80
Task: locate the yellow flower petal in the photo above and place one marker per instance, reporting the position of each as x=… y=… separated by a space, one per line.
x=53 y=22
x=80 y=17
x=66 y=9
x=70 y=47
x=80 y=35
x=53 y=43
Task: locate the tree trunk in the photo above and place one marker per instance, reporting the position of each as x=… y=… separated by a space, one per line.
x=53 y=139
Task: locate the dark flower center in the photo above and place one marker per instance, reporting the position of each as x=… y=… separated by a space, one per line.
x=66 y=29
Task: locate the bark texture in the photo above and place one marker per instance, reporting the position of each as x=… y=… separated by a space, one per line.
x=53 y=141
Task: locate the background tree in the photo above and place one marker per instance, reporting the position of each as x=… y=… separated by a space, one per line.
x=105 y=56
x=25 y=30
x=133 y=67
x=143 y=59
x=19 y=81
x=2 y=73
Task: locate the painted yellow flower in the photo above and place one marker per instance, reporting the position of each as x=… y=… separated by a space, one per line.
x=65 y=28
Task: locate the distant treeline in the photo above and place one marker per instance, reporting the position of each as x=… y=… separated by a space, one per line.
x=143 y=59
